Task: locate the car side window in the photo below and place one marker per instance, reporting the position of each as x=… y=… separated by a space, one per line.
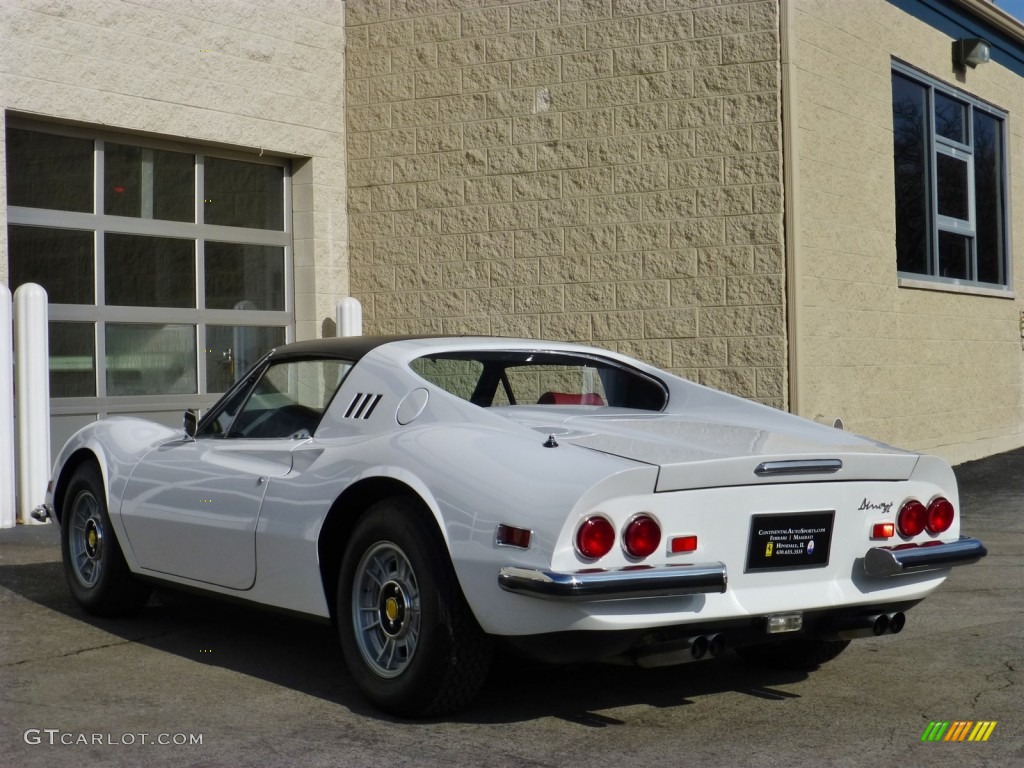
x=510 y=378
x=224 y=415
x=288 y=400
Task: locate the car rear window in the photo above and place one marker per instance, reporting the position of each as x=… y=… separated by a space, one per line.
x=541 y=378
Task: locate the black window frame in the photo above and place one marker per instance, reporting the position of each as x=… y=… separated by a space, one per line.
x=938 y=149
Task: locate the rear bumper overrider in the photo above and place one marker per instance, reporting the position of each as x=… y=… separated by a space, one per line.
x=885 y=561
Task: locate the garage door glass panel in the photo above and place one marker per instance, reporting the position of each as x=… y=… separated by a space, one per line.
x=148 y=183
x=60 y=260
x=144 y=271
x=240 y=194
x=45 y=170
x=232 y=349
x=72 y=360
x=147 y=249
x=244 y=276
x=145 y=359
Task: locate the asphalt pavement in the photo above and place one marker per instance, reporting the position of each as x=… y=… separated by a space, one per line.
x=191 y=682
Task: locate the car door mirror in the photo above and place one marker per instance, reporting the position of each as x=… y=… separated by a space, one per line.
x=191 y=424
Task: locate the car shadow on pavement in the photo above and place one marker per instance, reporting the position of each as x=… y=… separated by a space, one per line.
x=587 y=693
x=304 y=656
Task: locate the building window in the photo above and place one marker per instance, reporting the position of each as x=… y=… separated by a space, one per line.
x=167 y=268
x=949 y=154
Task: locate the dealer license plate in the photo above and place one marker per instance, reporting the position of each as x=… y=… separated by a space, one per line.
x=789 y=541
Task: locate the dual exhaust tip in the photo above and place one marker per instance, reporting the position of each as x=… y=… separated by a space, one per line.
x=680 y=651
x=703 y=645
x=872 y=625
x=710 y=646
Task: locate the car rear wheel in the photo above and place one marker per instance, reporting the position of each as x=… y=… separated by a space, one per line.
x=802 y=653
x=409 y=639
x=94 y=565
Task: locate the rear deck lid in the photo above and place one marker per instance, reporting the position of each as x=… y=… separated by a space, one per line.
x=706 y=452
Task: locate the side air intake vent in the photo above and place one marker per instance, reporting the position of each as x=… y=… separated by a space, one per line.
x=362 y=406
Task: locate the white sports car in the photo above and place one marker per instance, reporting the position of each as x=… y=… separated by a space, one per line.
x=436 y=496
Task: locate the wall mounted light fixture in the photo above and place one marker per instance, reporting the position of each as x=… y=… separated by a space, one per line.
x=970 y=52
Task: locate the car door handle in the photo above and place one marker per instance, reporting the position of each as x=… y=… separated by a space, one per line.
x=260 y=481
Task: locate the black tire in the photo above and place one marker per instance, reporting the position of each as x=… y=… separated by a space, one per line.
x=802 y=653
x=94 y=565
x=408 y=637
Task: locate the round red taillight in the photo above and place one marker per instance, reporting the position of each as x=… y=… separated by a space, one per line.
x=595 y=537
x=642 y=536
x=912 y=518
x=940 y=515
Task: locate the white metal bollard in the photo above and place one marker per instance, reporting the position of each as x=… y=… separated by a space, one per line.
x=8 y=519
x=32 y=396
x=349 y=316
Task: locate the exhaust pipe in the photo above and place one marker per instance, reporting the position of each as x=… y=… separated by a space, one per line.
x=672 y=653
x=716 y=646
x=699 y=647
x=871 y=625
x=897 y=621
x=863 y=626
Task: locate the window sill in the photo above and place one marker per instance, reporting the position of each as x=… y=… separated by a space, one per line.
x=947 y=287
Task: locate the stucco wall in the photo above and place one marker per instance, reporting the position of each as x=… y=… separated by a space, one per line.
x=924 y=369
x=257 y=76
x=596 y=170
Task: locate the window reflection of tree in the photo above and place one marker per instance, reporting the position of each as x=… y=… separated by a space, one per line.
x=949 y=118
x=912 y=189
x=988 y=197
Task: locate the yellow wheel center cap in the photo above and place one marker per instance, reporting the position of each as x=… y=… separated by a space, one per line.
x=391 y=609
x=92 y=539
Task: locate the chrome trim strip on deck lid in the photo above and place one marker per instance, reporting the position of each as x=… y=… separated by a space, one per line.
x=798 y=467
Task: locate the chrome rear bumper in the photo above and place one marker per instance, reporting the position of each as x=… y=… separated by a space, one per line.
x=883 y=561
x=665 y=581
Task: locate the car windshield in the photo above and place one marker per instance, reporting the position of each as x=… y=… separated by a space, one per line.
x=510 y=378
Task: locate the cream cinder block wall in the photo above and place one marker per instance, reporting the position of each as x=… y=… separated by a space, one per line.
x=265 y=75
x=928 y=370
x=598 y=170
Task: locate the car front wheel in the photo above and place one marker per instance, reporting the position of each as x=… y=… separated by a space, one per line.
x=94 y=565
x=409 y=639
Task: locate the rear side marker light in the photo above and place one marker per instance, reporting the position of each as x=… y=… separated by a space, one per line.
x=681 y=544
x=642 y=536
x=883 y=530
x=940 y=515
x=595 y=537
x=912 y=518
x=508 y=536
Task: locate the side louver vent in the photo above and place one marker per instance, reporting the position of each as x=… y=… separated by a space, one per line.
x=362 y=406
